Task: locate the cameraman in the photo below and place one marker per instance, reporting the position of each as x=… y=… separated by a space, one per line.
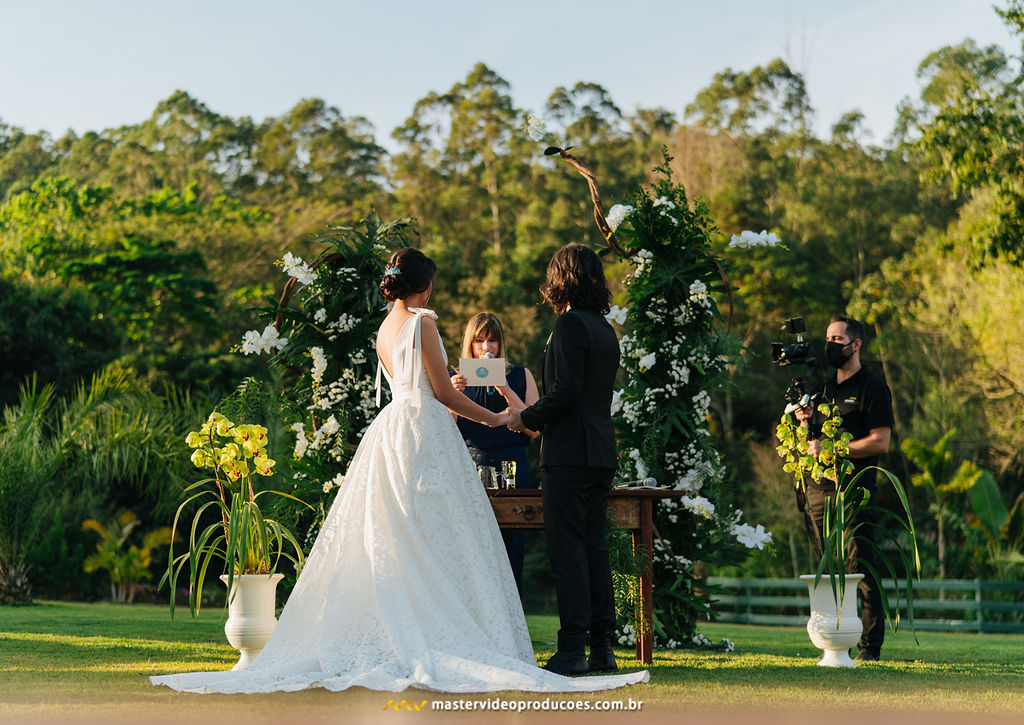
x=865 y=405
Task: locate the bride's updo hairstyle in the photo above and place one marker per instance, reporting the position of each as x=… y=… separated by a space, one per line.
x=407 y=272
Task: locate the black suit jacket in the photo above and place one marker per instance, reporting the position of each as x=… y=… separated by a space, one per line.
x=574 y=415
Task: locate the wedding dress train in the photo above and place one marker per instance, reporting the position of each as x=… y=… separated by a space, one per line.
x=408 y=583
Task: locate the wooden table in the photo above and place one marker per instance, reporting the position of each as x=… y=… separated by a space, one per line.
x=632 y=508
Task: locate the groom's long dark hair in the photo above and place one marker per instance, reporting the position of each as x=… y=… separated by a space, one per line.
x=576 y=279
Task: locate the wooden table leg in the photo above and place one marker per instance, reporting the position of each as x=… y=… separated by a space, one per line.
x=644 y=540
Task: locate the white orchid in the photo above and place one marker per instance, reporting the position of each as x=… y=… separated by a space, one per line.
x=617 y=315
x=617 y=214
x=748 y=239
x=256 y=343
x=319 y=363
x=295 y=267
x=536 y=127
x=751 y=537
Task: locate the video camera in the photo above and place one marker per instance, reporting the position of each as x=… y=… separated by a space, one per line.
x=795 y=353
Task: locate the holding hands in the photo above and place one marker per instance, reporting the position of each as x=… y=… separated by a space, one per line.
x=515 y=422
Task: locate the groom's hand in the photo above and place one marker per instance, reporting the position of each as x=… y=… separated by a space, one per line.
x=515 y=422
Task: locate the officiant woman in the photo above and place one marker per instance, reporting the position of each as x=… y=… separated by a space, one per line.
x=491 y=446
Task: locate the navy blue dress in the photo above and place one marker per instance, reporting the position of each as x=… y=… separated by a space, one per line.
x=490 y=446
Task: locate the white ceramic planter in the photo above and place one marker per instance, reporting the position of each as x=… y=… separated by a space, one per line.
x=830 y=632
x=250 y=614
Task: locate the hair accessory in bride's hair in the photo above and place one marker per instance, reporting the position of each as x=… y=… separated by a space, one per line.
x=388 y=271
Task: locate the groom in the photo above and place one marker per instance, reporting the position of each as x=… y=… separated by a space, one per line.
x=577 y=456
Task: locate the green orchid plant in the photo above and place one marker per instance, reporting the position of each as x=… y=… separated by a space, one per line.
x=243 y=538
x=842 y=524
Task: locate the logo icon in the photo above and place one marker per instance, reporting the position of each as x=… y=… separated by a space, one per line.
x=482 y=372
x=405 y=705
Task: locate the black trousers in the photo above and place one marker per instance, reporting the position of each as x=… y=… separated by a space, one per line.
x=575 y=518
x=872 y=616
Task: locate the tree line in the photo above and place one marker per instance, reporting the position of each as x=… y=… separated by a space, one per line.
x=148 y=245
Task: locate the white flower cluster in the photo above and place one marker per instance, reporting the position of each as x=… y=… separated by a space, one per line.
x=678 y=370
x=325 y=438
x=617 y=214
x=320 y=316
x=749 y=536
x=643 y=260
x=646 y=362
x=617 y=315
x=690 y=481
x=667 y=207
x=343 y=324
x=701 y=405
x=295 y=267
x=657 y=310
x=334 y=483
x=301 y=442
x=698 y=505
x=638 y=464
x=699 y=294
x=628 y=635
x=536 y=127
x=747 y=239
x=683 y=314
x=254 y=343
x=319 y=364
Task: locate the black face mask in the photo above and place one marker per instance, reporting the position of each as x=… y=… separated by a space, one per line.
x=835 y=353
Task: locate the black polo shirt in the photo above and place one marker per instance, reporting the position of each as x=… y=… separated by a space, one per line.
x=864 y=403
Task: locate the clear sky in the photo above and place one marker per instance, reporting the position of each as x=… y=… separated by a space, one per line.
x=90 y=65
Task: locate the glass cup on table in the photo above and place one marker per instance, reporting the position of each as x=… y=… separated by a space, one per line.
x=488 y=476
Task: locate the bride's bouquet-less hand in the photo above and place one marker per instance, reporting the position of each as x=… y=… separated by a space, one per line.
x=240 y=535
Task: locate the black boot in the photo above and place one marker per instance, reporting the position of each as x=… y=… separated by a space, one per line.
x=565 y=663
x=601 y=658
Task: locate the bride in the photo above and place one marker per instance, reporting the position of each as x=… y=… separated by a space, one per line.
x=408 y=584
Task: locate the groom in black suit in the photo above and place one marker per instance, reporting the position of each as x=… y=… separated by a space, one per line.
x=578 y=456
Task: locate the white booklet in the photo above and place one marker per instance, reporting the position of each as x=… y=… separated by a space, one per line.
x=482 y=370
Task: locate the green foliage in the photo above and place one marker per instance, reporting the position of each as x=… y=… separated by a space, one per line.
x=674 y=356
x=149 y=288
x=108 y=432
x=938 y=476
x=53 y=333
x=1001 y=529
x=127 y=566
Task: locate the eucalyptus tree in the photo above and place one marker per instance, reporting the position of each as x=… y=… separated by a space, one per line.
x=23 y=157
x=464 y=172
x=968 y=127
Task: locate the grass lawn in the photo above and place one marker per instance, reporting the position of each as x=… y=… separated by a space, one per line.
x=89 y=662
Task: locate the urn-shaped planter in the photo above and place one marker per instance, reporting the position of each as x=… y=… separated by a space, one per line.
x=250 y=614
x=834 y=629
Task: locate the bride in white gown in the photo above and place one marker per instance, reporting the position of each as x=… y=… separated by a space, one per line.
x=408 y=583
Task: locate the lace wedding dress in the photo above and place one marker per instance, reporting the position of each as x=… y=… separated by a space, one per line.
x=408 y=583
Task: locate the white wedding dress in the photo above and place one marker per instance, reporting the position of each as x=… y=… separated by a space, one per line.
x=408 y=583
